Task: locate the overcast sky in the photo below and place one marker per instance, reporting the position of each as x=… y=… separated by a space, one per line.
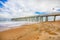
x=20 y=8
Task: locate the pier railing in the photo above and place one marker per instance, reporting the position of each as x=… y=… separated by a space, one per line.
x=38 y=18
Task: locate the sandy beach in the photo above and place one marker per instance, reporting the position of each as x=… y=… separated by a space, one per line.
x=36 y=31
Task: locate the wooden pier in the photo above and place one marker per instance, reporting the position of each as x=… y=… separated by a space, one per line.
x=37 y=18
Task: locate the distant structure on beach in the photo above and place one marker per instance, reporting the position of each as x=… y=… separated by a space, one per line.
x=38 y=18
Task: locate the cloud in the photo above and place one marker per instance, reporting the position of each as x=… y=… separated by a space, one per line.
x=15 y=9
x=20 y=8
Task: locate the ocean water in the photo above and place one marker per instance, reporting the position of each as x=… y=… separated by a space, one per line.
x=12 y=24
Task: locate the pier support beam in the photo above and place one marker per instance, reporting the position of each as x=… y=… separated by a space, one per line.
x=41 y=19
x=46 y=18
x=54 y=18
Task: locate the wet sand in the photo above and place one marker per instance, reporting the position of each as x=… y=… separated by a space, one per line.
x=39 y=31
x=13 y=24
